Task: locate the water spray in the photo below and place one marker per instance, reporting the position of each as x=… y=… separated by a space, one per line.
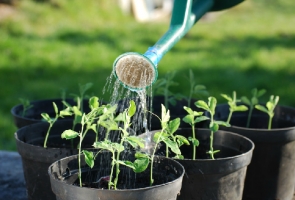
x=138 y=71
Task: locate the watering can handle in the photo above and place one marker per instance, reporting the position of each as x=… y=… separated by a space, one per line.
x=185 y=14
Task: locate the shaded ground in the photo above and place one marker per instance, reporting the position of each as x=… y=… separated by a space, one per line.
x=12 y=184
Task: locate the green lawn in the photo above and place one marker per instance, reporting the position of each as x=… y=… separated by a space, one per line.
x=49 y=47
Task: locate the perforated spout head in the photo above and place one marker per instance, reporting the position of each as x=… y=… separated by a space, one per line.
x=135 y=71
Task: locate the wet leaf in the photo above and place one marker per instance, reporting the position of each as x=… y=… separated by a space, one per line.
x=69 y=134
x=89 y=158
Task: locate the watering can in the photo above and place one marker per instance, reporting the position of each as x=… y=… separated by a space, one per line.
x=137 y=71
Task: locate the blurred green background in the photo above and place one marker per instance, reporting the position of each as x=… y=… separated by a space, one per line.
x=54 y=45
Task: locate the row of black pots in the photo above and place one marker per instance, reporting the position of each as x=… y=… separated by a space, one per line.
x=270 y=174
x=205 y=178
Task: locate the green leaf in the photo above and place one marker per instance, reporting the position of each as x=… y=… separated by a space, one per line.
x=172 y=145
x=173 y=125
x=65 y=112
x=188 y=110
x=55 y=108
x=254 y=100
x=202 y=104
x=93 y=103
x=182 y=140
x=141 y=164
x=103 y=145
x=194 y=141
x=214 y=126
x=69 y=134
x=228 y=98
x=261 y=108
x=76 y=111
x=212 y=103
x=222 y=123
x=135 y=141
x=165 y=115
x=132 y=108
x=89 y=158
x=188 y=119
x=157 y=137
x=118 y=147
x=201 y=118
x=46 y=117
x=120 y=117
x=245 y=100
x=241 y=108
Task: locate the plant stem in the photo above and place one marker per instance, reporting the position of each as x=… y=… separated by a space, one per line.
x=229 y=115
x=249 y=116
x=118 y=165
x=112 y=169
x=194 y=137
x=269 y=122
x=211 y=145
x=79 y=161
x=47 y=134
x=152 y=159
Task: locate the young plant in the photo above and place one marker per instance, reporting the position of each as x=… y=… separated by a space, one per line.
x=26 y=106
x=269 y=108
x=195 y=89
x=51 y=121
x=87 y=123
x=252 y=102
x=192 y=118
x=214 y=125
x=141 y=162
x=162 y=86
x=233 y=107
x=166 y=135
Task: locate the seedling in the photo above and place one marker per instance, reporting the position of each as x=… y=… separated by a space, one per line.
x=87 y=123
x=195 y=89
x=192 y=118
x=116 y=148
x=26 y=106
x=269 y=108
x=51 y=121
x=253 y=102
x=233 y=107
x=162 y=86
x=214 y=125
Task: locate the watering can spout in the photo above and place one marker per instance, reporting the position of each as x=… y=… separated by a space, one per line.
x=139 y=71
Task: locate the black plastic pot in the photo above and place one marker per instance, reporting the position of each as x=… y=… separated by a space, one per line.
x=36 y=159
x=63 y=176
x=271 y=174
x=219 y=179
x=33 y=115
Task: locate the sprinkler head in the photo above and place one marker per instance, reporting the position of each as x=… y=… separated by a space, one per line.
x=135 y=71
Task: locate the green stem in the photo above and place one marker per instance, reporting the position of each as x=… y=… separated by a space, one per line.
x=249 y=116
x=47 y=134
x=229 y=116
x=194 y=137
x=79 y=162
x=211 y=145
x=269 y=122
x=118 y=166
x=112 y=169
x=167 y=153
x=152 y=159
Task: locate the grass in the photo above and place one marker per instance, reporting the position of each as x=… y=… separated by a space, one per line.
x=49 y=47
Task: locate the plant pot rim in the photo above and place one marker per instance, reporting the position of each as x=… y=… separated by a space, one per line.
x=119 y=190
x=218 y=159
x=263 y=130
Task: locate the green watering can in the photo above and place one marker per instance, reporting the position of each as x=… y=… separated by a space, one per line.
x=138 y=71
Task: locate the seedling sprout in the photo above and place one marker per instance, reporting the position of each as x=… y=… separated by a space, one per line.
x=269 y=108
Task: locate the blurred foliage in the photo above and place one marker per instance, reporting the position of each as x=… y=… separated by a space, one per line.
x=50 y=46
